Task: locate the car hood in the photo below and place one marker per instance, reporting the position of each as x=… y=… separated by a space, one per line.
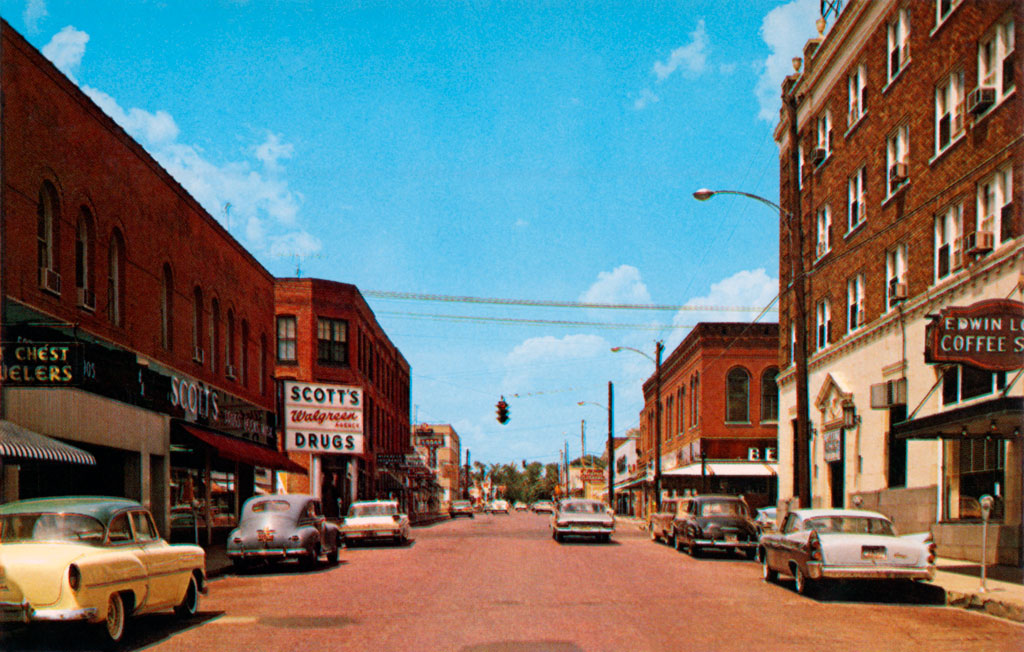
x=850 y=549
x=36 y=571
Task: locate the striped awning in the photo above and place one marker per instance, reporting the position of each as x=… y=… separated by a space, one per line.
x=19 y=442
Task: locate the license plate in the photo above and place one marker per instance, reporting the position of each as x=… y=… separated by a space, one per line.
x=265 y=535
x=872 y=552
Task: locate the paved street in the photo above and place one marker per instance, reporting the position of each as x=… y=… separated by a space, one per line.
x=501 y=583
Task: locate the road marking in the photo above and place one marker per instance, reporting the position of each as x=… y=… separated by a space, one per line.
x=234 y=620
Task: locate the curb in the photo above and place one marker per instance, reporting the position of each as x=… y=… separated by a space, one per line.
x=981 y=602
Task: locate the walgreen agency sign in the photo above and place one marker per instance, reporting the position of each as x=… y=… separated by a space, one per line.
x=323 y=418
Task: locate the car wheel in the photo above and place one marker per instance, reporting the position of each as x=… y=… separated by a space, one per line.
x=310 y=560
x=113 y=627
x=558 y=537
x=654 y=536
x=332 y=556
x=671 y=539
x=239 y=564
x=767 y=574
x=189 y=605
x=693 y=550
x=804 y=585
x=677 y=542
x=751 y=553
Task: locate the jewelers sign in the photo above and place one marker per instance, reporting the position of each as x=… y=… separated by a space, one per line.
x=988 y=334
x=323 y=418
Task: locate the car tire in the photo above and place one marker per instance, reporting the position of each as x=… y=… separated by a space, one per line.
x=767 y=574
x=332 y=556
x=671 y=539
x=654 y=537
x=677 y=542
x=803 y=584
x=189 y=605
x=113 y=627
x=310 y=560
x=239 y=564
x=693 y=550
x=750 y=553
x=558 y=537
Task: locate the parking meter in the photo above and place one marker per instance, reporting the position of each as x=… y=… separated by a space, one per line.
x=986 y=509
x=986 y=506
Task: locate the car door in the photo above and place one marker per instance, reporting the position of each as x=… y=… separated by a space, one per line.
x=163 y=564
x=779 y=547
x=132 y=571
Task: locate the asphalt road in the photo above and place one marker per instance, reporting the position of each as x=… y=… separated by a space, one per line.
x=500 y=583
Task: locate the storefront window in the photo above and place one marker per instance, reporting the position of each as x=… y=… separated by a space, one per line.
x=964 y=382
x=979 y=470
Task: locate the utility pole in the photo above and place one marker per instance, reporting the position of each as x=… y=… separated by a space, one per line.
x=658 y=349
x=583 y=442
x=611 y=453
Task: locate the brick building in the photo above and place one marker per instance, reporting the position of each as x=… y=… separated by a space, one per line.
x=328 y=336
x=163 y=319
x=910 y=152
x=440 y=446
x=719 y=410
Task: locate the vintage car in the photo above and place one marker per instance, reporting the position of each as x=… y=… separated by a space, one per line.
x=375 y=519
x=714 y=521
x=659 y=524
x=542 y=506
x=94 y=559
x=283 y=526
x=820 y=544
x=519 y=506
x=461 y=508
x=581 y=517
x=498 y=507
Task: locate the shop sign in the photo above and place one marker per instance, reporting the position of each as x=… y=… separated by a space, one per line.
x=592 y=475
x=34 y=364
x=988 y=334
x=755 y=454
x=833 y=445
x=323 y=418
x=393 y=460
x=430 y=441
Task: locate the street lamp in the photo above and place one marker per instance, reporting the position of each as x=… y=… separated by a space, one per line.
x=800 y=454
x=659 y=347
x=611 y=447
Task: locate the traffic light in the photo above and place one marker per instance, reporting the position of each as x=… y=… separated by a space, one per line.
x=502 y=411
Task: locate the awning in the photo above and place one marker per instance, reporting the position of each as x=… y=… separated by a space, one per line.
x=16 y=441
x=999 y=418
x=232 y=448
x=725 y=469
x=629 y=484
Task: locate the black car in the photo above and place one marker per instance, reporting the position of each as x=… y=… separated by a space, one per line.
x=714 y=521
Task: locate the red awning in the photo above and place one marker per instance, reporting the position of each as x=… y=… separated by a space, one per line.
x=232 y=448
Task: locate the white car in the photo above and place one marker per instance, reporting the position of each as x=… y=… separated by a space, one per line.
x=846 y=544
x=582 y=517
x=369 y=520
x=498 y=507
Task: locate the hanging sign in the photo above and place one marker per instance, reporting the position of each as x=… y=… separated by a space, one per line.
x=323 y=418
x=988 y=334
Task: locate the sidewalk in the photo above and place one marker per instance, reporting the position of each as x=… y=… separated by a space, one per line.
x=961 y=580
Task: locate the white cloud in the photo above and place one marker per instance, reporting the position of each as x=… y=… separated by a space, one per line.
x=155 y=128
x=785 y=30
x=35 y=12
x=753 y=288
x=66 y=49
x=646 y=98
x=543 y=356
x=272 y=150
x=621 y=285
x=691 y=57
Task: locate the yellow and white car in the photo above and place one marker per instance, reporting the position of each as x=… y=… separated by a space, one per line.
x=369 y=520
x=94 y=559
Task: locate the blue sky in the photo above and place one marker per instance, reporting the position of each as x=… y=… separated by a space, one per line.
x=537 y=151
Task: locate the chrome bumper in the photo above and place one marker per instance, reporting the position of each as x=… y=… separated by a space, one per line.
x=22 y=612
x=267 y=552
x=722 y=543
x=816 y=570
x=583 y=530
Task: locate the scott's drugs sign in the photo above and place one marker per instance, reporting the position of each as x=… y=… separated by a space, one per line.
x=323 y=418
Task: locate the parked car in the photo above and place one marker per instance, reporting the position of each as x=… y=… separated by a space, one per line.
x=283 y=526
x=369 y=520
x=582 y=517
x=659 y=524
x=520 y=506
x=461 y=508
x=498 y=507
x=847 y=544
x=543 y=507
x=714 y=521
x=94 y=559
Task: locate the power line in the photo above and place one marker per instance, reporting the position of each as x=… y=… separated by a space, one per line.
x=542 y=322
x=447 y=298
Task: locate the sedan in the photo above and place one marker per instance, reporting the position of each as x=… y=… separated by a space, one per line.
x=283 y=526
x=714 y=521
x=461 y=508
x=376 y=520
x=847 y=544
x=92 y=559
x=582 y=517
x=542 y=506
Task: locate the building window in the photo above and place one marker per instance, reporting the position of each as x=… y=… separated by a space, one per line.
x=769 y=395
x=824 y=147
x=214 y=333
x=694 y=403
x=996 y=61
x=245 y=353
x=896 y=289
x=229 y=348
x=857 y=94
x=855 y=303
x=897 y=148
x=47 y=219
x=898 y=43
x=287 y=341
x=197 y=325
x=83 y=261
x=800 y=165
x=824 y=231
x=949 y=111
x=995 y=208
x=737 y=396
x=823 y=324
x=115 y=278
x=167 y=309
x=263 y=364
x=857 y=205
x=332 y=341
x=964 y=382
x=949 y=241
x=981 y=470
x=943 y=8
x=792 y=342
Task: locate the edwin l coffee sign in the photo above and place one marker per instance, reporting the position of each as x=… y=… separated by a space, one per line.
x=988 y=334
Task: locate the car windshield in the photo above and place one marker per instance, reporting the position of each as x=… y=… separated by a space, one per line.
x=382 y=509
x=723 y=508
x=583 y=508
x=850 y=525
x=78 y=528
x=461 y=503
x=270 y=506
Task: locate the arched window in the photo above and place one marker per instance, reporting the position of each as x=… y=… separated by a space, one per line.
x=769 y=395
x=167 y=309
x=245 y=353
x=737 y=396
x=229 y=350
x=197 y=325
x=115 y=278
x=48 y=218
x=681 y=417
x=263 y=364
x=694 y=403
x=83 y=260
x=214 y=333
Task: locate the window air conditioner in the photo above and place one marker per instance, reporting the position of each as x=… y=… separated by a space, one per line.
x=87 y=298
x=979 y=242
x=889 y=394
x=980 y=99
x=898 y=172
x=899 y=291
x=229 y=371
x=819 y=155
x=198 y=355
x=49 y=280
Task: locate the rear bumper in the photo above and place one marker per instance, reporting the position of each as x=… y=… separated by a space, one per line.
x=583 y=530
x=22 y=612
x=372 y=534
x=267 y=553
x=722 y=543
x=817 y=570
